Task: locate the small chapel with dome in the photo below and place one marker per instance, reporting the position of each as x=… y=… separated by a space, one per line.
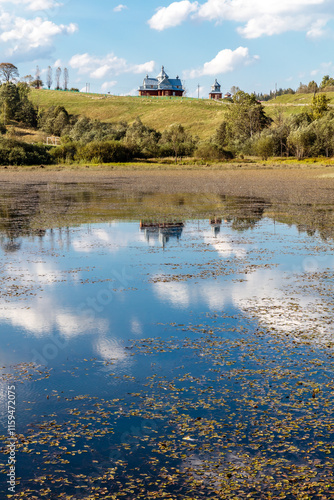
x=216 y=92
x=162 y=85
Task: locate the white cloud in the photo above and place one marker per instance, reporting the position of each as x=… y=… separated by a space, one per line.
x=147 y=67
x=34 y=5
x=317 y=29
x=258 y=17
x=26 y=35
x=100 y=67
x=173 y=15
x=120 y=7
x=324 y=69
x=225 y=61
x=107 y=85
x=101 y=71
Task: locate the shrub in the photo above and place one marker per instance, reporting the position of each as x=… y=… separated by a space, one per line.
x=142 y=140
x=14 y=152
x=104 y=152
x=65 y=152
x=212 y=151
x=176 y=140
x=86 y=130
x=264 y=146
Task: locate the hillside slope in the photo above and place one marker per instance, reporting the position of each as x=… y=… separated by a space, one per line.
x=293 y=103
x=200 y=117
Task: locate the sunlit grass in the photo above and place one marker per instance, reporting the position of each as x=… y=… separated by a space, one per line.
x=201 y=117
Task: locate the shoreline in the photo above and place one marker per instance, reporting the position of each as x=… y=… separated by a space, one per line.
x=311 y=183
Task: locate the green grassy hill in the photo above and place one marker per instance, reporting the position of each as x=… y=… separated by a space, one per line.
x=293 y=103
x=200 y=117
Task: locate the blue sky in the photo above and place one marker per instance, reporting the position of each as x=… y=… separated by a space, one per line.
x=112 y=44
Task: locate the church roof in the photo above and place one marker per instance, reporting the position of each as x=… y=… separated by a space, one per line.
x=162 y=75
x=162 y=81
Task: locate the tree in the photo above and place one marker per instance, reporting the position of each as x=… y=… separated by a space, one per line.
x=24 y=90
x=327 y=81
x=301 y=141
x=142 y=140
x=234 y=89
x=9 y=100
x=246 y=116
x=222 y=134
x=49 y=77
x=27 y=79
x=58 y=74
x=66 y=77
x=313 y=87
x=8 y=72
x=302 y=89
x=54 y=120
x=319 y=105
x=264 y=146
x=37 y=83
x=26 y=113
x=178 y=140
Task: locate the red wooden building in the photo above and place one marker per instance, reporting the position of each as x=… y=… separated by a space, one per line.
x=216 y=92
x=162 y=85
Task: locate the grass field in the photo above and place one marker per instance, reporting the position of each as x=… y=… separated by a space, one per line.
x=200 y=117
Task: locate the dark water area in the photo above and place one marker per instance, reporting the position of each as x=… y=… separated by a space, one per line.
x=171 y=347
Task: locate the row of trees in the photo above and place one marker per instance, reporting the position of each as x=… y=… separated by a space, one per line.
x=10 y=74
x=326 y=85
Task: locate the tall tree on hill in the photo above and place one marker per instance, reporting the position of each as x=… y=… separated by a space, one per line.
x=327 y=81
x=247 y=116
x=49 y=77
x=8 y=72
x=37 y=83
x=58 y=74
x=66 y=78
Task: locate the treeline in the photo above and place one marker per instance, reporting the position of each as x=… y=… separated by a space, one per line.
x=246 y=130
x=326 y=85
x=272 y=94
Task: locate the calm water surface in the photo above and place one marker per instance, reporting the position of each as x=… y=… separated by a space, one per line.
x=187 y=361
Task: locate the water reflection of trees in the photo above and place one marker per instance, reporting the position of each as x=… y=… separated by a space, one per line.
x=17 y=208
x=244 y=213
x=29 y=210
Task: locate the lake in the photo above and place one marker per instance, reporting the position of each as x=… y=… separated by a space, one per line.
x=165 y=346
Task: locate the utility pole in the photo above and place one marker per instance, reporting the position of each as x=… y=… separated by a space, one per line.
x=198 y=88
x=275 y=89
